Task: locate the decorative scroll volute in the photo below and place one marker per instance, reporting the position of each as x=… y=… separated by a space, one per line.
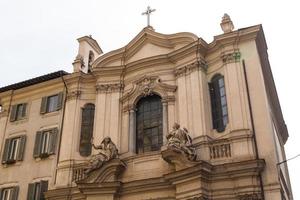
x=145 y=86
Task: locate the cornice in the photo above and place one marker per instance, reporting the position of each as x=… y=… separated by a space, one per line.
x=231 y=56
x=109 y=87
x=147 y=35
x=248 y=33
x=92 y=42
x=73 y=95
x=189 y=68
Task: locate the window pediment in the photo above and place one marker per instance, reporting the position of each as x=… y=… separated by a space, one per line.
x=148 y=85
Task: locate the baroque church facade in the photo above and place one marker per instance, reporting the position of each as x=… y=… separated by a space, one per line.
x=165 y=117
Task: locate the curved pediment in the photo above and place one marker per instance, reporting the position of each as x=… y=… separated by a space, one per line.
x=147 y=44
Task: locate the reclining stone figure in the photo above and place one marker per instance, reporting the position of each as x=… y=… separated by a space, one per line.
x=107 y=151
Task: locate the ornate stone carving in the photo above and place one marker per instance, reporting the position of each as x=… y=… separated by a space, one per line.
x=220 y=150
x=226 y=24
x=250 y=197
x=73 y=94
x=231 y=57
x=180 y=141
x=148 y=85
x=187 y=69
x=107 y=151
x=107 y=88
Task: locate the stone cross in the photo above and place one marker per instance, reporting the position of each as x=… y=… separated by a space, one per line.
x=148 y=12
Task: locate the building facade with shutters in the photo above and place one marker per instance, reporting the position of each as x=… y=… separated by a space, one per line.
x=220 y=95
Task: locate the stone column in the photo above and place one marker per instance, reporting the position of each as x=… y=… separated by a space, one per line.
x=132 y=133
x=165 y=121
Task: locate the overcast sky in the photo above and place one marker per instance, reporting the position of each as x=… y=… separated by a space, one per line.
x=39 y=36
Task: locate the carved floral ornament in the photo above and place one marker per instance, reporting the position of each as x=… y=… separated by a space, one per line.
x=145 y=86
x=189 y=68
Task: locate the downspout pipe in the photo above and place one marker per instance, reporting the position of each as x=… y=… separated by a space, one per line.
x=62 y=122
x=253 y=128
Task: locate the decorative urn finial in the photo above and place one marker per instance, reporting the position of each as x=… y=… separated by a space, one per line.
x=226 y=24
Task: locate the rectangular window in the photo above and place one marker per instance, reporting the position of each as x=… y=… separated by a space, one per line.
x=51 y=103
x=10 y=193
x=45 y=143
x=13 y=149
x=36 y=190
x=18 y=112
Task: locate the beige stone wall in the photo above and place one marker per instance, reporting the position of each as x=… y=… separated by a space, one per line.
x=179 y=68
x=30 y=169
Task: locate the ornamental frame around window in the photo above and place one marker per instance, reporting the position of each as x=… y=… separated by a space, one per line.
x=86 y=130
x=149 y=127
x=219 y=108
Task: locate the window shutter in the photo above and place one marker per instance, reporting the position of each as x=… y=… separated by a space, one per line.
x=44 y=105
x=44 y=188
x=13 y=113
x=59 y=101
x=24 y=110
x=37 y=145
x=15 y=193
x=21 y=148
x=30 y=192
x=6 y=150
x=52 y=140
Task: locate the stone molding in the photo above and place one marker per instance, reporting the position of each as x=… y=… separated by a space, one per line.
x=222 y=150
x=107 y=181
x=145 y=86
x=254 y=196
x=189 y=68
x=231 y=57
x=74 y=95
x=109 y=88
x=109 y=172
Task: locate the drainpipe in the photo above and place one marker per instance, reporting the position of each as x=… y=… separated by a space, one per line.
x=253 y=128
x=62 y=123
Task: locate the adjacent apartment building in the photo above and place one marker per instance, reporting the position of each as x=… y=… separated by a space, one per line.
x=221 y=94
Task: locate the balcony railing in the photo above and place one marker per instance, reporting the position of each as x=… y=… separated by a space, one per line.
x=220 y=151
x=78 y=172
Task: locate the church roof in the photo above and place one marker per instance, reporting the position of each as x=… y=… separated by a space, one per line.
x=34 y=81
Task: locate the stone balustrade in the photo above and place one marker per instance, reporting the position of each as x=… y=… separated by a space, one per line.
x=222 y=150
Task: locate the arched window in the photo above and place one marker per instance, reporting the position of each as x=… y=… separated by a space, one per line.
x=87 y=124
x=149 y=128
x=218 y=103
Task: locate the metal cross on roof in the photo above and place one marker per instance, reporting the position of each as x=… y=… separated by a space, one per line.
x=148 y=12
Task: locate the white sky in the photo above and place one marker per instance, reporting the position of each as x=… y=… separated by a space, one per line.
x=39 y=36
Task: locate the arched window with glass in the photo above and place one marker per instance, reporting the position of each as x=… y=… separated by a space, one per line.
x=87 y=125
x=149 y=130
x=218 y=103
